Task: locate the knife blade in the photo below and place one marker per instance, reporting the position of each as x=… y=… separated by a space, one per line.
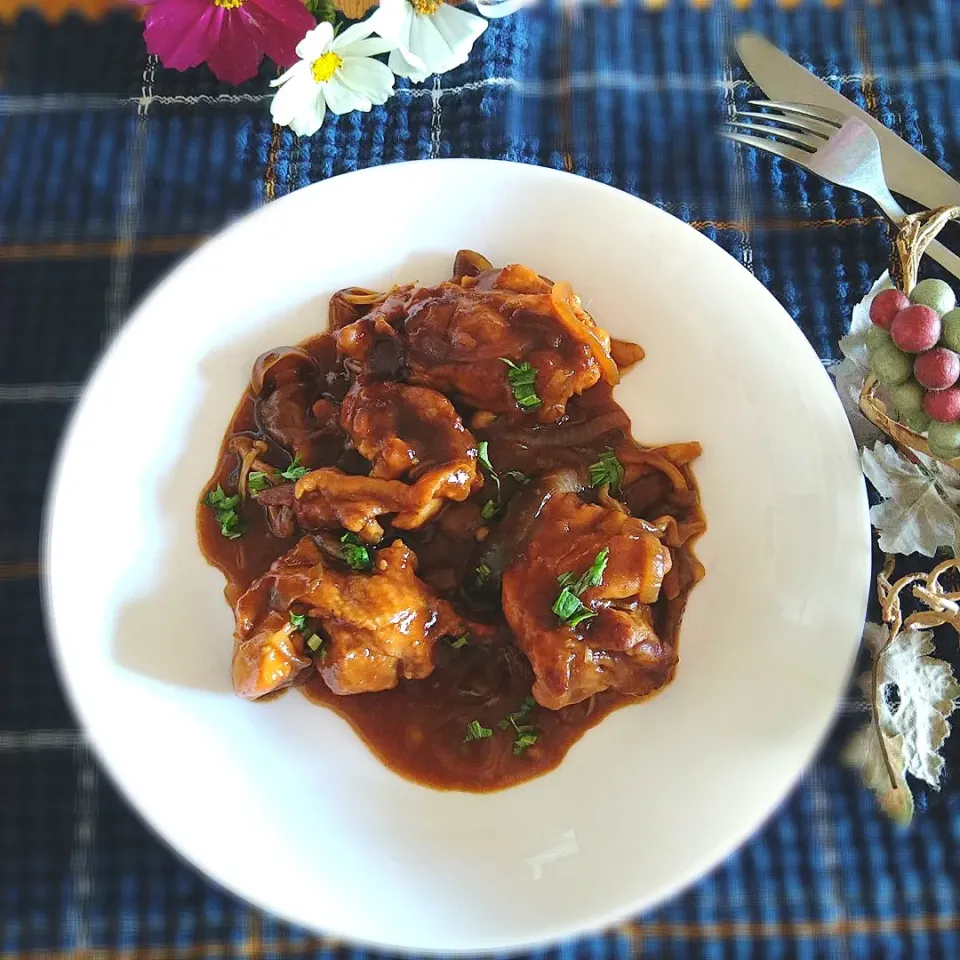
x=907 y=171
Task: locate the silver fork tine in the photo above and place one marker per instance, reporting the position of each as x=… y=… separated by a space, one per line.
x=833 y=117
x=770 y=146
x=790 y=136
x=801 y=123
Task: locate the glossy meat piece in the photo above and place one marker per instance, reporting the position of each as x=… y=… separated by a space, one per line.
x=617 y=649
x=268 y=653
x=377 y=627
x=328 y=499
x=406 y=430
x=453 y=337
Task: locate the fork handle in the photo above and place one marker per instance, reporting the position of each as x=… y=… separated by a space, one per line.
x=894 y=212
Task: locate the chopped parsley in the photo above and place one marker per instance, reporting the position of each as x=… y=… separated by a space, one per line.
x=257 y=480
x=483 y=573
x=527 y=737
x=295 y=471
x=314 y=642
x=483 y=455
x=225 y=510
x=476 y=731
x=456 y=642
x=494 y=507
x=490 y=510
x=527 y=733
x=522 y=380
x=607 y=470
x=568 y=606
x=354 y=553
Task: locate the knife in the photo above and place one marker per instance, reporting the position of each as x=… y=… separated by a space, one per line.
x=907 y=171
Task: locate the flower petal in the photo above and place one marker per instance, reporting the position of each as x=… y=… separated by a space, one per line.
x=310 y=119
x=493 y=9
x=315 y=43
x=301 y=66
x=365 y=48
x=370 y=79
x=282 y=25
x=401 y=64
x=341 y=99
x=392 y=21
x=459 y=30
x=427 y=43
x=181 y=34
x=238 y=53
x=353 y=33
x=294 y=97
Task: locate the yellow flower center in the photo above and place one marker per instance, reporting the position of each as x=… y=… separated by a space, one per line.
x=426 y=7
x=326 y=66
x=229 y=4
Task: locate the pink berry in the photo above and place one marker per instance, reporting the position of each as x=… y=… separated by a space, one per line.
x=886 y=305
x=937 y=369
x=916 y=328
x=943 y=405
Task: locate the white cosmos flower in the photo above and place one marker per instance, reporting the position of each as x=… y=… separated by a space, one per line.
x=430 y=36
x=338 y=72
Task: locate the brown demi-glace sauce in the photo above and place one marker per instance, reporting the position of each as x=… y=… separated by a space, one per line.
x=418 y=728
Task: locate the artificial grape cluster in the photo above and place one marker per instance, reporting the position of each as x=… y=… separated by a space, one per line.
x=914 y=346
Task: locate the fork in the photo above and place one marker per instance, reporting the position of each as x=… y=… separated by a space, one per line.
x=841 y=149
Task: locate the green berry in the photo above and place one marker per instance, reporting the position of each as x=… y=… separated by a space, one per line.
x=908 y=396
x=944 y=439
x=892 y=366
x=950 y=332
x=877 y=337
x=917 y=421
x=935 y=294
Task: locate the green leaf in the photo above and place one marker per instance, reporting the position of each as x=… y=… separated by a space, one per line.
x=323 y=10
x=568 y=606
x=295 y=471
x=522 y=380
x=483 y=574
x=594 y=576
x=232 y=526
x=257 y=480
x=490 y=510
x=522 y=742
x=518 y=476
x=354 y=553
x=476 y=731
x=607 y=470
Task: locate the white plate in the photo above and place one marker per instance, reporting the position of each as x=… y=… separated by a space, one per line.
x=280 y=802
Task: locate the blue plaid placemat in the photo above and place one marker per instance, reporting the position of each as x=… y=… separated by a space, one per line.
x=112 y=168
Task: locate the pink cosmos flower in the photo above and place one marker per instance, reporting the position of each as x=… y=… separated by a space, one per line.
x=231 y=36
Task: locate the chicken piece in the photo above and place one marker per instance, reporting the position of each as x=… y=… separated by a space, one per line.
x=402 y=430
x=454 y=337
x=328 y=499
x=377 y=627
x=618 y=647
x=407 y=430
x=268 y=653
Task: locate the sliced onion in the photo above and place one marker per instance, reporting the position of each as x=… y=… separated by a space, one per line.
x=566 y=304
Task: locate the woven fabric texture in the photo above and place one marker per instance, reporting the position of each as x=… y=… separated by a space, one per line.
x=112 y=168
